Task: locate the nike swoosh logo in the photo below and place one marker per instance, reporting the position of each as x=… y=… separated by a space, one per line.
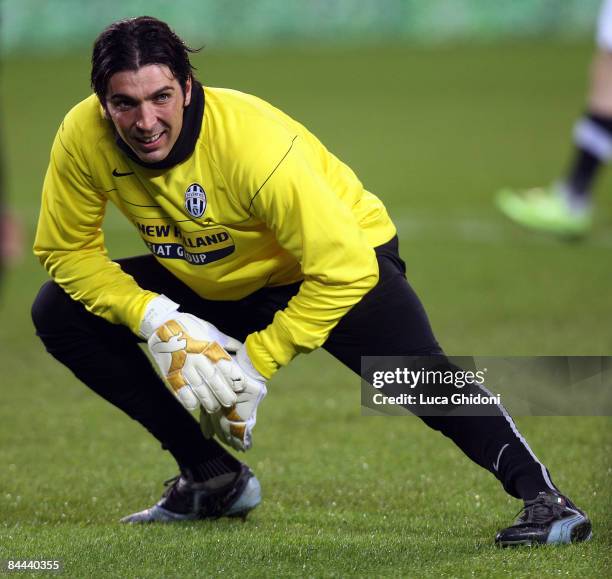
x=117 y=174
x=496 y=463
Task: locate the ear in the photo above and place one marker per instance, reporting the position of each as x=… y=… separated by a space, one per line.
x=105 y=112
x=188 y=92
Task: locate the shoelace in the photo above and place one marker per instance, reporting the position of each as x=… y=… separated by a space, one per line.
x=538 y=512
x=170 y=484
x=214 y=502
x=172 y=480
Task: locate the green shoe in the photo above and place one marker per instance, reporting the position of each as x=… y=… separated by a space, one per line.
x=545 y=210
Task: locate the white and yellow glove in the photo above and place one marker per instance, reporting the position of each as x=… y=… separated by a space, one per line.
x=234 y=425
x=194 y=358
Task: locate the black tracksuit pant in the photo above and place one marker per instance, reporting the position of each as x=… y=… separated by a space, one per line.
x=388 y=321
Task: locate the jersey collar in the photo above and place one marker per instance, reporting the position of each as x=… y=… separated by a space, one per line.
x=185 y=144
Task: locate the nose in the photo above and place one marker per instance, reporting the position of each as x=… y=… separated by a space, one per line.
x=147 y=119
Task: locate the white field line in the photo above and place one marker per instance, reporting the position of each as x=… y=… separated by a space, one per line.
x=484 y=231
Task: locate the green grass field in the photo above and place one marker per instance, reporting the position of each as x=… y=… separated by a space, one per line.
x=434 y=133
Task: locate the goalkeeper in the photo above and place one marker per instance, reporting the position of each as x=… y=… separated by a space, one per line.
x=262 y=245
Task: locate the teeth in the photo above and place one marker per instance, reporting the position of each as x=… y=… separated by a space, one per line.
x=151 y=138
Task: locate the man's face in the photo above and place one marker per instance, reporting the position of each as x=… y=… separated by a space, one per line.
x=146 y=107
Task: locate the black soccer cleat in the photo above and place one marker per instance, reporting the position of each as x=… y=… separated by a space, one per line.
x=187 y=500
x=549 y=519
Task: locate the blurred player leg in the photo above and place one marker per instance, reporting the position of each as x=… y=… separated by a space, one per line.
x=565 y=208
x=11 y=238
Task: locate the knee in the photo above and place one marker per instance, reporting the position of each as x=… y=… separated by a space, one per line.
x=49 y=307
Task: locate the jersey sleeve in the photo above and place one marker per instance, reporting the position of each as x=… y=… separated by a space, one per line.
x=312 y=223
x=70 y=243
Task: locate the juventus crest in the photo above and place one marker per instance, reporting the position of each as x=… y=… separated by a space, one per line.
x=195 y=200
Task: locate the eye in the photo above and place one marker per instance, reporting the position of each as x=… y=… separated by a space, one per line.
x=162 y=98
x=123 y=105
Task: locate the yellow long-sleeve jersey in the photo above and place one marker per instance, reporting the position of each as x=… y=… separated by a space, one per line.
x=259 y=202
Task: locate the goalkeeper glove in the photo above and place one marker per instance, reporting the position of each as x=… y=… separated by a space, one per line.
x=234 y=425
x=192 y=356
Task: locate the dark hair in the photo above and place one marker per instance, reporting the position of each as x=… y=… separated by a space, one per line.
x=136 y=42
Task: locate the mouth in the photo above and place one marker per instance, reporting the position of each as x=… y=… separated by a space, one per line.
x=151 y=141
